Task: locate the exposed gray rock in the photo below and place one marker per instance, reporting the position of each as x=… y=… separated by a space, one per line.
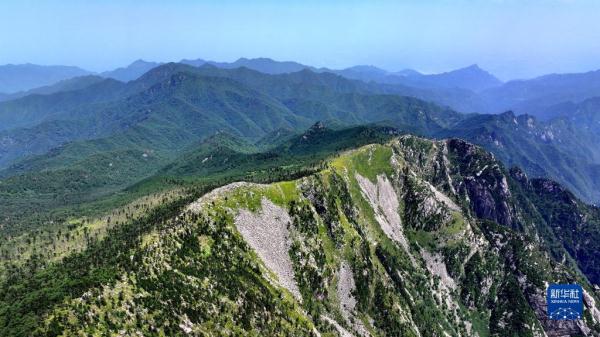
x=384 y=201
x=345 y=288
x=267 y=233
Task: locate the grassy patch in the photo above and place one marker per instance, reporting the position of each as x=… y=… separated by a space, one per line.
x=368 y=161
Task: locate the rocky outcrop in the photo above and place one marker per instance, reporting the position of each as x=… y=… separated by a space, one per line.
x=483 y=181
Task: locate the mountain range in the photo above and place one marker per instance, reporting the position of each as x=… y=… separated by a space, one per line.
x=272 y=198
x=472 y=77
x=470 y=89
x=216 y=98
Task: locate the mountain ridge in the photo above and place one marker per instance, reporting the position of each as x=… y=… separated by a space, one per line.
x=69 y=84
x=542 y=148
x=433 y=237
x=468 y=89
x=131 y=72
x=22 y=77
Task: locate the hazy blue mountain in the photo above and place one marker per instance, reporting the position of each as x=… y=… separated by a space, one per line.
x=463 y=78
x=131 y=72
x=559 y=149
x=453 y=89
x=281 y=84
x=194 y=63
x=471 y=78
x=365 y=73
x=288 y=100
x=70 y=84
x=204 y=99
x=536 y=95
x=469 y=89
x=327 y=96
x=366 y=69
x=583 y=117
x=473 y=89
x=362 y=72
x=265 y=65
x=565 y=109
x=262 y=64
x=33 y=109
x=23 y=77
x=457 y=98
x=407 y=73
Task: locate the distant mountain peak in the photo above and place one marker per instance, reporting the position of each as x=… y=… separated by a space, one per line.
x=367 y=69
x=133 y=71
x=257 y=59
x=140 y=62
x=471 y=77
x=263 y=65
x=407 y=73
x=473 y=66
x=196 y=62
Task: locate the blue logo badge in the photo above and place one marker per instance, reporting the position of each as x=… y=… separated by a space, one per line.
x=565 y=301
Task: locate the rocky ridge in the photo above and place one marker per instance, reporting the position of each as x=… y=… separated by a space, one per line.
x=411 y=238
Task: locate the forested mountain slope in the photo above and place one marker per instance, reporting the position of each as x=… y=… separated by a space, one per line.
x=411 y=237
x=172 y=106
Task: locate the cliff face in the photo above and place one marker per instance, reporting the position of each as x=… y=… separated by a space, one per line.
x=411 y=238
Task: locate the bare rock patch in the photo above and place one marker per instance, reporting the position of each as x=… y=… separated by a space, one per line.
x=384 y=201
x=266 y=231
x=345 y=288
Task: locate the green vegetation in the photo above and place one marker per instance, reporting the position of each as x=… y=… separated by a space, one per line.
x=438 y=239
x=175 y=106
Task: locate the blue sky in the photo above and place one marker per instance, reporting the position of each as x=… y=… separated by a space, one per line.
x=510 y=38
